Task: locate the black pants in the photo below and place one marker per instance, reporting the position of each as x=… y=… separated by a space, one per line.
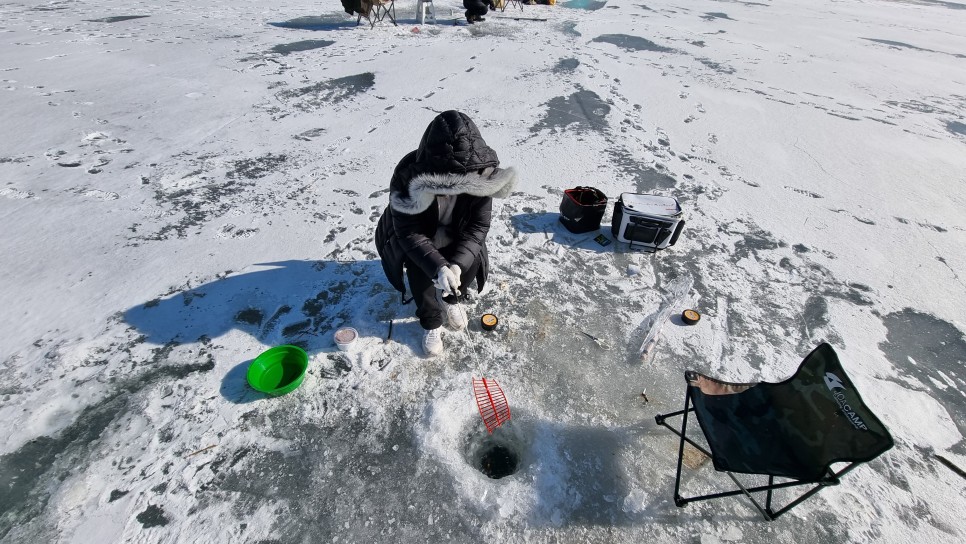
x=428 y=309
x=475 y=7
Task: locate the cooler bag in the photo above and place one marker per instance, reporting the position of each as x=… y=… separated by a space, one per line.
x=582 y=208
x=648 y=221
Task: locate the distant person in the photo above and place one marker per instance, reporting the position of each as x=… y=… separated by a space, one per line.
x=476 y=9
x=435 y=227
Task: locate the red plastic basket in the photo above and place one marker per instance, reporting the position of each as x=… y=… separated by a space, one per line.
x=492 y=403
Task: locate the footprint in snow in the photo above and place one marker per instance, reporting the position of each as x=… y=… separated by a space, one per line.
x=804 y=192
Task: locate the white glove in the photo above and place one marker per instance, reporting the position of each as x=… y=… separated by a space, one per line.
x=459 y=274
x=447 y=280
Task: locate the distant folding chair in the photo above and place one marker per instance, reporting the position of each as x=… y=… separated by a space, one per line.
x=375 y=11
x=795 y=430
x=386 y=8
x=503 y=4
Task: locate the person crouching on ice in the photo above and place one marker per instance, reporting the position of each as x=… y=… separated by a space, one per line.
x=476 y=9
x=435 y=227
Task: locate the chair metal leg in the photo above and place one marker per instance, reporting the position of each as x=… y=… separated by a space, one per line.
x=678 y=500
x=831 y=477
x=767 y=512
x=747 y=492
x=391 y=12
x=771 y=481
x=660 y=420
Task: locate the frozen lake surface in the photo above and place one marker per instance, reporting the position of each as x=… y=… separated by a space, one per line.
x=185 y=184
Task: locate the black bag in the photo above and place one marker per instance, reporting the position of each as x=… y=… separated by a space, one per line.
x=582 y=208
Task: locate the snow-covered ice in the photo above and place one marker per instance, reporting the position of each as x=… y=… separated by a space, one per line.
x=186 y=183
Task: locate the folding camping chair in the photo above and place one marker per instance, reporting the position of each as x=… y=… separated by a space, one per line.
x=795 y=429
x=503 y=4
x=375 y=11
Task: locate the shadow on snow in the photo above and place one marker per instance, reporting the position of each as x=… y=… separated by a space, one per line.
x=289 y=302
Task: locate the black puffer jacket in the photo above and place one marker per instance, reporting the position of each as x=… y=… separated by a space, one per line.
x=448 y=161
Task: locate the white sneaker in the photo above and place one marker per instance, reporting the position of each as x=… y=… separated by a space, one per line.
x=456 y=316
x=433 y=341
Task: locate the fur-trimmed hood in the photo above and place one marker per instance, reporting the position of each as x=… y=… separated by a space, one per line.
x=449 y=161
x=420 y=191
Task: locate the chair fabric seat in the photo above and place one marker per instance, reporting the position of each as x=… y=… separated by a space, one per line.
x=796 y=428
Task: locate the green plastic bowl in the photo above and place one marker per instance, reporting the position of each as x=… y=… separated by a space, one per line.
x=278 y=370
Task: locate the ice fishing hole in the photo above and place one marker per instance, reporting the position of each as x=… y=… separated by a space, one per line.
x=496 y=455
x=498 y=461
